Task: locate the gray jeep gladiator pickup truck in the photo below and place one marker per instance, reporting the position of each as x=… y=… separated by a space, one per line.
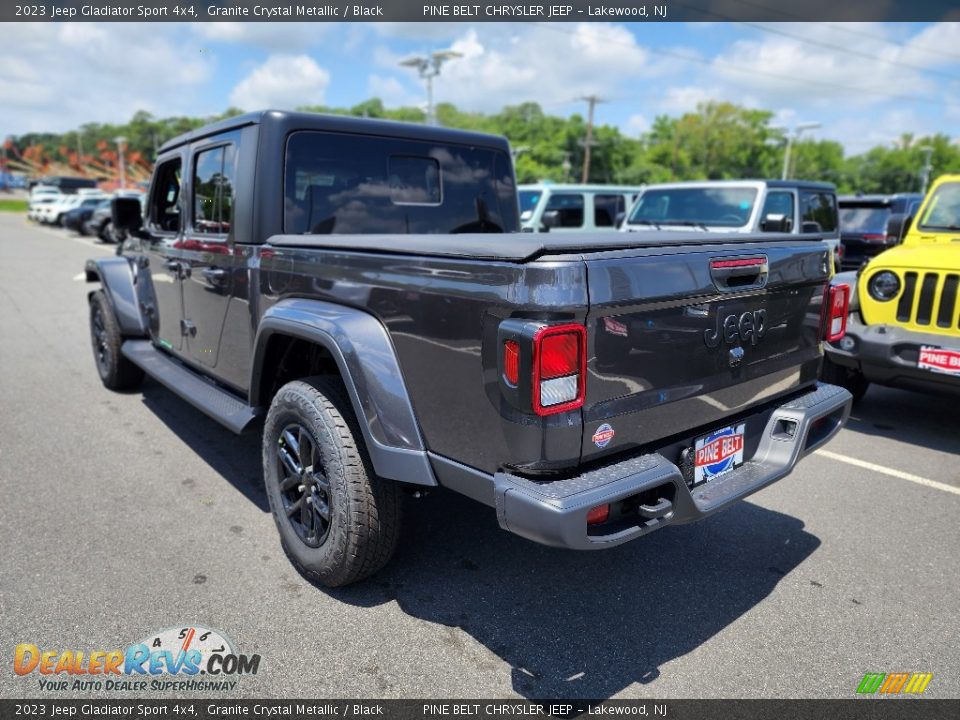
x=362 y=289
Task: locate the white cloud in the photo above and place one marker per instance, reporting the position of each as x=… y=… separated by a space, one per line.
x=392 y=92
x=54 y=77
x=637 y=125
x=549 y=64
x=679 y=100
x=283 y=82
x=273 y=37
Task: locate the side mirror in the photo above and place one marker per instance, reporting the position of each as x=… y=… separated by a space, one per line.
x=125 y=214
x=550 y=219
x=907 y=224
x=895 y=229
x=776 y=222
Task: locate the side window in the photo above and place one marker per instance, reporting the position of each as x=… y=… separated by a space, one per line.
x=608 y=210
x=567 y=208
x=164 y=210
x=818 y=212
x=778 y=203
x=214 y=175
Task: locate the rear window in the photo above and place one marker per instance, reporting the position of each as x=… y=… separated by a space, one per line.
x=864 y=219
x=351 y=184
x=719 y=206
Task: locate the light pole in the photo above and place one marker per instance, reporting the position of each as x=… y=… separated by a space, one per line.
x=925 y=170
x=791 y=138
x=428 y=67
x=121 y=145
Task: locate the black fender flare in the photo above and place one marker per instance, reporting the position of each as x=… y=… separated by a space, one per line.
x=361 y=347
x=116 y=276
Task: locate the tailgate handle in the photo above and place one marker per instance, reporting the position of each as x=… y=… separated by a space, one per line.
x=739 y=273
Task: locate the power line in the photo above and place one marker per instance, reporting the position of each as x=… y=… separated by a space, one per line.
x=755 y=71
x=806 y=18
x=849 y=51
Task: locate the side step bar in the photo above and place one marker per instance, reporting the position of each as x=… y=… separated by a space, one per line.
x=216 y=402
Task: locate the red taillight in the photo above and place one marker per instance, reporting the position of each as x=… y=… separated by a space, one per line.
x=875 y=237
x=599 y=514
x=511 y=361
x=559 y=355
x=559 y=368
x=838 y=301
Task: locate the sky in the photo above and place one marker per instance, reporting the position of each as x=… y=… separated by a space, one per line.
x=865 y=83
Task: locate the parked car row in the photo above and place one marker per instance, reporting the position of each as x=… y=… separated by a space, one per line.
x=858 y=227
x=83 y=210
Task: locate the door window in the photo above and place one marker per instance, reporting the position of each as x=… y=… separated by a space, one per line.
x=818 y=212
x=608 y=210
x=567 y=208
x=213 y=190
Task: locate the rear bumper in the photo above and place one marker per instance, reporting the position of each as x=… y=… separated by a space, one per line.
x=887 y=355
x=652 y=491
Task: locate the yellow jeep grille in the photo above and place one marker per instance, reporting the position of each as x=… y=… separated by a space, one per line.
x=929 y=299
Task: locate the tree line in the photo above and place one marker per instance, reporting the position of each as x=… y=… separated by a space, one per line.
x=719 y=140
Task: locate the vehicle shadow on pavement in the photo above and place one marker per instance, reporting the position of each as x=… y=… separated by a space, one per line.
x=237 y=460
x=922 y=419
x=568 y=624
x=582 y=624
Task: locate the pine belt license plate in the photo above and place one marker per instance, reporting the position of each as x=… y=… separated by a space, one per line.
x=717 y=453
x=936 y=359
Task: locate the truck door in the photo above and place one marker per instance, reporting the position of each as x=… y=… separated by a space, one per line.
x=161 y=298
x=208 y=248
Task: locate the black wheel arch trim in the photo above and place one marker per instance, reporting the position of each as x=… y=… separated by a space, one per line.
x=115 y=275
x=361 y=348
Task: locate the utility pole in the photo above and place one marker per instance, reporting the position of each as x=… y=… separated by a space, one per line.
x=121 y=146
x=588 y=143
x=925 y=170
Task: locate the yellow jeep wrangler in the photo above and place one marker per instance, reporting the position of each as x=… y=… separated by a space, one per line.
x=903 y=327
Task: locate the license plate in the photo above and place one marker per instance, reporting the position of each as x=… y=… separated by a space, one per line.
x=939 y=360
x=717 y=453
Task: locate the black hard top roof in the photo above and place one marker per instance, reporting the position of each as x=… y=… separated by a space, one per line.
x=878 y=199
x=339 y=123
x=803 y=184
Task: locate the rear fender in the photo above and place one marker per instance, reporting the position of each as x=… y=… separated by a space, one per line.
x=116 y=276
x=364 y=354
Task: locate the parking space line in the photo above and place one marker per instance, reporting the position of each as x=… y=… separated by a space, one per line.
x=889 y=471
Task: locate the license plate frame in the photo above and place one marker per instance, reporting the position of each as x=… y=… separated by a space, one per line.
x=939 y=360
x=718 y=452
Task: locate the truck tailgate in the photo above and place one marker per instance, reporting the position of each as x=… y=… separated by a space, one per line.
x=681 y=339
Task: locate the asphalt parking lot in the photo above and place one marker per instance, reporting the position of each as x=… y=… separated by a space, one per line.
x=123 y=514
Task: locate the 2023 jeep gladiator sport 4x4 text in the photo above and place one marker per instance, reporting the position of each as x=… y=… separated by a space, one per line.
x=362 y=286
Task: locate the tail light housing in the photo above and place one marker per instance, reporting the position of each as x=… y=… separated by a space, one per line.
x=559 y=368
x=836 y=304
x=542 y=368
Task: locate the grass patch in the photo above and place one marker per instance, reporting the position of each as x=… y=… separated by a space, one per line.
x=13 y=205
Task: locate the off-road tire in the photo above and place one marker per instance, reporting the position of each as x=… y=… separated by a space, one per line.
x=364 y=510
x=852 y=380
x=116 y=372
